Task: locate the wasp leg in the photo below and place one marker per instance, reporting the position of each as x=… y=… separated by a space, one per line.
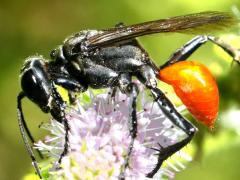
x=133 y=92
x=23 y=127
x=146 y=76
x=58 y=112
x=172 y=114
x=71 y=85
x=232 y=51
x=190 y=47
x=126 y=86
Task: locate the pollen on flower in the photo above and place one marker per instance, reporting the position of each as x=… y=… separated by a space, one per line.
x=99 y=139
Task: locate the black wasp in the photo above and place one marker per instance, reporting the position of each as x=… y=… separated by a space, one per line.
x=109 y=59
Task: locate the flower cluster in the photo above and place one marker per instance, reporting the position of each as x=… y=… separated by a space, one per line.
x=99 y=139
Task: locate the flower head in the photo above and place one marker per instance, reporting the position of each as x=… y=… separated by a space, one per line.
x=99 y=138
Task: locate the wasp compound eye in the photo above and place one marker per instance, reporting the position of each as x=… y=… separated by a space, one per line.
x=36 y=84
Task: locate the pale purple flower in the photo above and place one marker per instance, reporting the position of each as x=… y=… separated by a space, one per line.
x=99 y=139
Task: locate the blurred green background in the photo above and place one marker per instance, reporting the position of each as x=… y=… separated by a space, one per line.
x=36 y=27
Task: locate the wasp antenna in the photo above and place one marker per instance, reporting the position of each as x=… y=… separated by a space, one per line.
x=23 y=126
x=60 y=115
x=27 y=129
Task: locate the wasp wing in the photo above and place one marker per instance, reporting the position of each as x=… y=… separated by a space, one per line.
x=203 y=22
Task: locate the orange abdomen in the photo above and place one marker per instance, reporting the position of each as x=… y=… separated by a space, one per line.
x=196 y=87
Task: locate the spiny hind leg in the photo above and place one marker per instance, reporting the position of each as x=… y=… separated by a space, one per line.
x=190 y=47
